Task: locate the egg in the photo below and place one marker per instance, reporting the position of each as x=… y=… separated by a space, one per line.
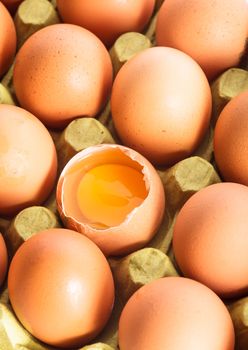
x=61 y=288
x=161 y=104
x=7 y=39
x=62 y=72
x=113 y=195
x=3 y=260
x=107 y=19
x=210 y=239
x=231 y=140
x=175 y=313
x=28 y=160
x=213 y=32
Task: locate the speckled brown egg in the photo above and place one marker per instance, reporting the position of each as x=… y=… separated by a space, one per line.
x=107 y=19
x=213 y=32
x=7 y=39
x=210 y=240
x=161 y=104
x=61 y=288
x=3 y=259
x=231 y=140
x=175 y=313
x=62 y=72
x=28 y=160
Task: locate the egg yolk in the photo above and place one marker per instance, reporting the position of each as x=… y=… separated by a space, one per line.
x=107 y=193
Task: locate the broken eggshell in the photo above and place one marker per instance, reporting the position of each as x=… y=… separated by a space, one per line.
x=139 y=226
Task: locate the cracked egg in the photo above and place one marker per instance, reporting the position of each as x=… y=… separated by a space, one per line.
x=113 y=195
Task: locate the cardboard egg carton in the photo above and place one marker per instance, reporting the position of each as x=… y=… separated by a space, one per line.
x=180 y=182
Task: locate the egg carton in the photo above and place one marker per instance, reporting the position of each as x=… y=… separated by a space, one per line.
x=180 y=182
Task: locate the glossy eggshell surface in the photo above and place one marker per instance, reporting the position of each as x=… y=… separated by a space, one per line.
x=28 y=160
x=3 y=259
x=61 y=287
x=175 y=313
x=210 y=240
x=161 y=104
x=62 y=72
x=107 y=19
x=139 y=226
x=231 y=140
x=212 y=32
x=7 y=39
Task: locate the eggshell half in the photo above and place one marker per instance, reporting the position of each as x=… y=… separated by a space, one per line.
x=175 y=313
x=141 y=223
x=210 y=240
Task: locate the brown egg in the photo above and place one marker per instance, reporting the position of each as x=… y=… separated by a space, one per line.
x=175 y=313
x=113 y=195
x=161 y=104
x=107 y=19
x=3 y=259
x=231 y=140
x=7 y=39
x=62 y=72
x=210 y=238
x=28 y=161
x=213 y=32
x=61 y=288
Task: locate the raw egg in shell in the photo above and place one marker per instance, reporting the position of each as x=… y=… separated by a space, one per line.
x=113 y=195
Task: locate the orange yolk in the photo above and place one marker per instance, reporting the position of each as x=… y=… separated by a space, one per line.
x=108 y=193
